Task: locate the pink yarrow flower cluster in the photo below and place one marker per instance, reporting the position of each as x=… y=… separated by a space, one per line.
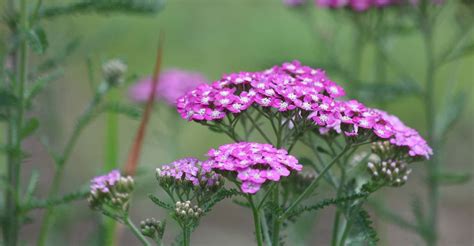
x=354 y=118
x=363 y=5
x=253 y=163
x=293 y=86
x=104 y=182
x=188 y=169
x=290 y=86
x=172 y=84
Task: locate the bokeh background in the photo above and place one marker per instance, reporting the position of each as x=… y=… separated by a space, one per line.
x=216 y=37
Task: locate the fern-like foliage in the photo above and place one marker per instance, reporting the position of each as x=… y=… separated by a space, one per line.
x=326 y=202
x=47 y=203
x=219 y=196
x=104 y=6
x=160 y=203
x=362 y=232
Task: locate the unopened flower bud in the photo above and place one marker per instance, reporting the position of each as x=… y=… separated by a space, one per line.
x=114 y=71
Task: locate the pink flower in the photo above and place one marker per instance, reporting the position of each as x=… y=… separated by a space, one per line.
x=172 y=84
x=253 y=163
x=105 y=182
x=291 y=86
x=189 y=170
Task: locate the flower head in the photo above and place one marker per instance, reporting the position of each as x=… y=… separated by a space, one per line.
x=114 y=71
x=190 y=171
x=111 y=189
x=291 y=86
x=172 y=84
x=252 y=163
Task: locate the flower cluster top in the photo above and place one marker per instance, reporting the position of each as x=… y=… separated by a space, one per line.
x=172 y=83
x=254 y=163
x=293 y=86
x=286 y=87
x=102 y=184
x=356 y=5
x=188 y=169
x=354 y=118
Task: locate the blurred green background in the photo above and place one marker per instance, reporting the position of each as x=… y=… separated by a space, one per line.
x=216 y=37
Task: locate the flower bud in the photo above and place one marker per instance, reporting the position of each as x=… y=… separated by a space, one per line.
x=114 y=71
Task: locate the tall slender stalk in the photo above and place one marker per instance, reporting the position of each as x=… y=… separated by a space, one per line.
x=12 y=220
x=62 y=160
x=111 y=162
x=433 y=164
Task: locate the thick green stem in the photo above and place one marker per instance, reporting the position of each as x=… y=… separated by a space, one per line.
x=256 y=221
x=12 y=220
x=313 y=184
x=136 y=232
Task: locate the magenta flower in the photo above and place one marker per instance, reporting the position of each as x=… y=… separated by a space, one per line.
x=172 y=84
x=291 y=86
x=102 y=184
x=188 y=170
x=252 y=163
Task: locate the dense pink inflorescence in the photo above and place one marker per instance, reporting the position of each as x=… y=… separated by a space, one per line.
x=253 y=163
x=356 y=117
x=363 y=5
x=172 y=84
x=287 y=87
x=188 y=169
x=293 y=86
x=102 y=183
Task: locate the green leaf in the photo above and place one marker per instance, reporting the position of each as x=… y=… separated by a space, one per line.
x=47 y=203
x=327 y=202
x=30 y=127
x=219 y=196
x=104 y=7
x=37 y=40
x=160 y=203
x=449 y=114
x=362 y=232
x=446 y=178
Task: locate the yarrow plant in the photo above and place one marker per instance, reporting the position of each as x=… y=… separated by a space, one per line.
x=297 y=104
x=293 y=102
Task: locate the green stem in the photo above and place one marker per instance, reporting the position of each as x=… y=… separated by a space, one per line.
x=255 y=124
x=135 y=231
x=347 y=229
x=313 y=184
x=12 y=220
x=433 y=164
x=276 y=220
x=111 y=162
x=256 y=221
x=84 y=119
